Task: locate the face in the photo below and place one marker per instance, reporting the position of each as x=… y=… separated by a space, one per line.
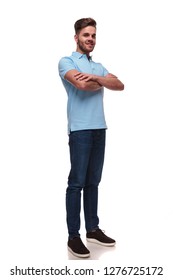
x=86 y=40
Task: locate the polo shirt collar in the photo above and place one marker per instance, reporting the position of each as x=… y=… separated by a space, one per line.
x=79 y=55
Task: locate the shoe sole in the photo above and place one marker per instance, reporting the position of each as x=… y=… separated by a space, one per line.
x=78 y=255
x=92 y=240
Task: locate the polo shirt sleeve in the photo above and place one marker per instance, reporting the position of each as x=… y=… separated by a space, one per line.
x=65 y=64
x=105 y=71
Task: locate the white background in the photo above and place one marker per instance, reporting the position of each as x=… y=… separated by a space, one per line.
x=133 y=42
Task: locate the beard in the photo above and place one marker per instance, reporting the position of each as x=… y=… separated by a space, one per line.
x=83 y=47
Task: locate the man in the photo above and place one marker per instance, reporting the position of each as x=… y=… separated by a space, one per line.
x=84 y=81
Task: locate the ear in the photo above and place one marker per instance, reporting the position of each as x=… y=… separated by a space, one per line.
x=76 y=38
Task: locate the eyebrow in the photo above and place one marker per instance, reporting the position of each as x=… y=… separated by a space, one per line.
x=87 y=34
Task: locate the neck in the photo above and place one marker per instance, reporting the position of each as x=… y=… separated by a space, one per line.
x=80 y=51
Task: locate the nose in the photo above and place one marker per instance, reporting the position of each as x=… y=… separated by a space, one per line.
x=90 y=39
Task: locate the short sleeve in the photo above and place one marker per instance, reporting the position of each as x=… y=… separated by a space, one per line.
x=105 y=71
x=65 y=64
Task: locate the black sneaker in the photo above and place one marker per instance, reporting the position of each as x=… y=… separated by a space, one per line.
x=77 y=248
x=97 y=236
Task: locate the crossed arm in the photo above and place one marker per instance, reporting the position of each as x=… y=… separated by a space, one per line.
x=90 y=82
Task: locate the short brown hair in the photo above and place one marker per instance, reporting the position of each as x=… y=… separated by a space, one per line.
x=84 y=22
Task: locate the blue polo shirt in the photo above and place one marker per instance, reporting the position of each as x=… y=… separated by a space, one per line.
x=84 y=109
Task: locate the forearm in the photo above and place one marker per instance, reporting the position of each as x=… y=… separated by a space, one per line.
x=73 y=77
x=83 y=82
x=89 y=86
x=110 y=82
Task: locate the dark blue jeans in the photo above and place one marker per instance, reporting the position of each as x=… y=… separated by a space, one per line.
x=87 y=148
